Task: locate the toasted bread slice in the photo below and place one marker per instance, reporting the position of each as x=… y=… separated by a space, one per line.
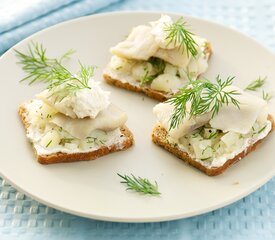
x=158 y=95
x=126 y=141
x=159 y=137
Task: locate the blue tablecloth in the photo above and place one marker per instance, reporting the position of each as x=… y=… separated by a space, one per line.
x=250 y=218
x=21 y=18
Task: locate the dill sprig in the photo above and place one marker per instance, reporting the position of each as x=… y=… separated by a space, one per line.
x=158 y=65
x=203 y=96
x=40 y=68
x=262 y=129
x=254 y=85
x=65 y=140
x=48 y=144
x=95 y=140
x=37 y=65
x=147 y=79
x=65 y=83
x=178 y=33
x=266 y=96
x=138 y=184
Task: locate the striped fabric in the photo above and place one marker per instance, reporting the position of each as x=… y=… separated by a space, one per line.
x=21 y=18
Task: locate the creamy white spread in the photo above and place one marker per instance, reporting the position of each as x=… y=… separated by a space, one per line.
x=132 y=60
x=212 y=141
x=84 y=103
x=216 y=162
x=220 y=160
x=114 y=137
x=123 y=77
x=48 y=137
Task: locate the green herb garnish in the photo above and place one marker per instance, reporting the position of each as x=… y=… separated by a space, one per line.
x=138 y=184
x=37 y=65
x=147 y=78
x=48 y=144
x=40 y=68
x=266 y=96
x=64 y=140
x=178 y=33
x=158 y=65
x=203 y=96
x=95 y=140
x=262 y=129
x=65 y=83
x=213 y=135
x=254 y=85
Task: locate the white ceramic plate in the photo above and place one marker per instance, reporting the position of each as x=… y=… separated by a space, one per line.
x=92 y=188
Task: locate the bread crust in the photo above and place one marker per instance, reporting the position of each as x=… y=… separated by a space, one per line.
x=159 y=137
x=158 y=95
x=60 y=157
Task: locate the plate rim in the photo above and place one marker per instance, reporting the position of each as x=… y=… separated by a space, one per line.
x=138 y=219
x=126 y=12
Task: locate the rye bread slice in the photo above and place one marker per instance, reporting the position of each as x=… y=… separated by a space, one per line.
x=159 y=137
x=152 y=93
x=60 y=157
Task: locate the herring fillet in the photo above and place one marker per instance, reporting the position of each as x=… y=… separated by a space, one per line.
x=109 y=119
x=140 y=44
